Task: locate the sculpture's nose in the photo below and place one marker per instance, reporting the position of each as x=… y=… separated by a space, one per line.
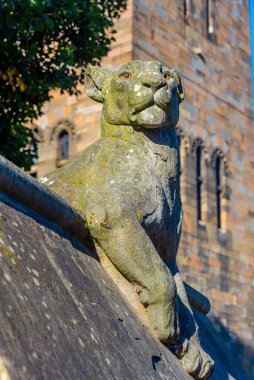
x=154 y=81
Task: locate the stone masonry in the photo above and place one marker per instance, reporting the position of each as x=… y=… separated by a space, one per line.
x=211 y=48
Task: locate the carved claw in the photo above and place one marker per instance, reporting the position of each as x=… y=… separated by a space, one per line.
x=206 y=367
x=194 y=360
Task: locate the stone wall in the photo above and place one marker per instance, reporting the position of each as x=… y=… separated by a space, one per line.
x=216 y=115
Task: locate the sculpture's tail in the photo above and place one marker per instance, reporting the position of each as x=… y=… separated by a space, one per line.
x=197 y=299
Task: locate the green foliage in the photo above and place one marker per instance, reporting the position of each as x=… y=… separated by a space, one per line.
x=45 y=45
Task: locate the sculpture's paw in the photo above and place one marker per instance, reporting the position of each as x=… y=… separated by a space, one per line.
x=207 y=365
x=166 y=326
x=169 y=335
x=173 y=330
x=194 y=359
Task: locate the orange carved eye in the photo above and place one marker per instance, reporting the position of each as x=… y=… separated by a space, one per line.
x=125 y=75
x=167 y=75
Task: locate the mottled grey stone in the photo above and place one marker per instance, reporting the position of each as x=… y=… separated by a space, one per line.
x=62 y=317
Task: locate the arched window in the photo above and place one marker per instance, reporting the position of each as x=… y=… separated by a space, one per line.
x=218 y=189
x=199 y=181
x=221 y=188
x=201 y=159
x=63 y=146
x=186 y=8
x=209 y=18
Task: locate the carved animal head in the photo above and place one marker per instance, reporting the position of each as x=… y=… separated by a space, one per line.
x=141 y=94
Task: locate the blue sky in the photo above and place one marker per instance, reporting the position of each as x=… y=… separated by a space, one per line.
x=252 y=49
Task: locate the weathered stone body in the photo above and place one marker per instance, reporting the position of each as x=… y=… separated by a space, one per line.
x=126 y=185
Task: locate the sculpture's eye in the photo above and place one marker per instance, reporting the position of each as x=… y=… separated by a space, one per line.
x=125 y=75
x=167 y=75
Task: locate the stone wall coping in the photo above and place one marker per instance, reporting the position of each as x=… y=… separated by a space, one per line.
x=37 y=197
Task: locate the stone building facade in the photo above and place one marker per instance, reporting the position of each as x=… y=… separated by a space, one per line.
x=209 y=43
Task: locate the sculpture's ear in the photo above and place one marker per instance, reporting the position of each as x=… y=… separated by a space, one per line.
x=180 y=86
x=94 y=79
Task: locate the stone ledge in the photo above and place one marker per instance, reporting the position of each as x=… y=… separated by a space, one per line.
x=26 y=190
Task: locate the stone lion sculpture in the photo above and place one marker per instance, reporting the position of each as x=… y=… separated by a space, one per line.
x=126 y=185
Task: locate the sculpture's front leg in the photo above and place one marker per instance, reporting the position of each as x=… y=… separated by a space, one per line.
x=124 y=241
x=194 y=359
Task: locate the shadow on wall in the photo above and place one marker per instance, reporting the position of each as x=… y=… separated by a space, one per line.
x=227 y=349
x=241 y=352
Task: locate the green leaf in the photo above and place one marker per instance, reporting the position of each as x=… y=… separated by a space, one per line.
x=39 y=24
x=49 y=23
